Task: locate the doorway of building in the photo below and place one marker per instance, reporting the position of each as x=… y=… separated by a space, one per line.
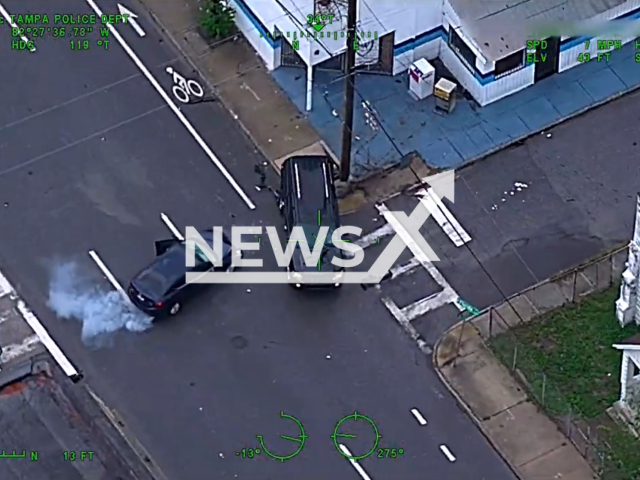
x=289 y=57
x=551 y=63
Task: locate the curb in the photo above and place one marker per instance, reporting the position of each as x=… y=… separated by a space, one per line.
x=466 y=407
x=114 y=419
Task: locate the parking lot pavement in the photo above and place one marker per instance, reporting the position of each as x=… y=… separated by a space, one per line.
x=528 y=212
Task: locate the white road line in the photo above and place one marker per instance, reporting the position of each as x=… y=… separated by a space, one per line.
x=108 y=274
x=373 y=237
x=406 y=325
x=430 y=303
x=176 y=233
x=41 y=333
x=7 y=17
x=398 y=270
x=413 y=247
x=173 y=107
x=53 y=348
x=444 y=217
x=15 y=350
x=355 y=464
x=5 y=286
x=447 y=453
x=419 y=417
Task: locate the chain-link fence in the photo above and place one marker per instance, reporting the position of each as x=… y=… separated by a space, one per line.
x=568 y=287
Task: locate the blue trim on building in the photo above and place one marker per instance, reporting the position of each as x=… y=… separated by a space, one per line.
x=429 y=36
x=415 y=42
x=268 y=36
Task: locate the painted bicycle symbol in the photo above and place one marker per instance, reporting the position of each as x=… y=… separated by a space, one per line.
x=183 y=88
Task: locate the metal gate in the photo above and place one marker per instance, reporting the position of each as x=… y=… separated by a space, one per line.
x=375 y=56
x=288 y=56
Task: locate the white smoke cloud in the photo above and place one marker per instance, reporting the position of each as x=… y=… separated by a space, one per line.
x=76 y=294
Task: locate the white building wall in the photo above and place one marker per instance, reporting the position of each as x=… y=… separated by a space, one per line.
x=252 y=34
x=461 y=72
x=450 y=59
x=422 y=28
x=420 y=25
x=507 y=85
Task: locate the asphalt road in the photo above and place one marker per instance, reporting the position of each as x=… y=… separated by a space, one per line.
x=90 y=155
x=531 y=210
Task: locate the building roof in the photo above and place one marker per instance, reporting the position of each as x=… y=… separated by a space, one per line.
x=502 y=27
x=43 y=415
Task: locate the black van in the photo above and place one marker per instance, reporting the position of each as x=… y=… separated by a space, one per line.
x=307 y=198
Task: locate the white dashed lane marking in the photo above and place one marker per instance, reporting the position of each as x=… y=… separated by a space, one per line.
x=419 y=417
x=174 y=230
x=447 y=453
x=107 y=273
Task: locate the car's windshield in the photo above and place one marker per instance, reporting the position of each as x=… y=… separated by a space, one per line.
x=199 y=254
x=311 y=232
x=329 y=250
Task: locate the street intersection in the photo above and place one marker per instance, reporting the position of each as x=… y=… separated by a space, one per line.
x=95 y=146
x=99 y=154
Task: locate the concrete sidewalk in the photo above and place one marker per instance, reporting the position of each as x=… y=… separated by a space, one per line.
x=523 y=435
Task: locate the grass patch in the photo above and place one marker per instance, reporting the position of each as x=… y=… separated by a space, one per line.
x=568 y=360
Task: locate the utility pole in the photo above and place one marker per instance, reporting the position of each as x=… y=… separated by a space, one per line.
x=349 y=91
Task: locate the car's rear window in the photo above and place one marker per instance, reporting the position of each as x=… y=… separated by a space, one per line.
x=153 y=284
x=158 y=278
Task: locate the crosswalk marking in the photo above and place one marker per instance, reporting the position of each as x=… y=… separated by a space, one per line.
x=398 y=270
x=443 y=216
x=430 y=303
x=446 y=296
x=375 y=236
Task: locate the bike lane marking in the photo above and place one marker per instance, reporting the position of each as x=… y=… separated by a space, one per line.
x=196 y=136
x=186 y=86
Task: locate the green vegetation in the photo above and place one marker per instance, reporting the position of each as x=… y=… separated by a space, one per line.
x=572 y=370
x=217 y=18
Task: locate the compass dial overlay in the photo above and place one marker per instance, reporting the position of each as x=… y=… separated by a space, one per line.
x=341 y=432
x=299 y=440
